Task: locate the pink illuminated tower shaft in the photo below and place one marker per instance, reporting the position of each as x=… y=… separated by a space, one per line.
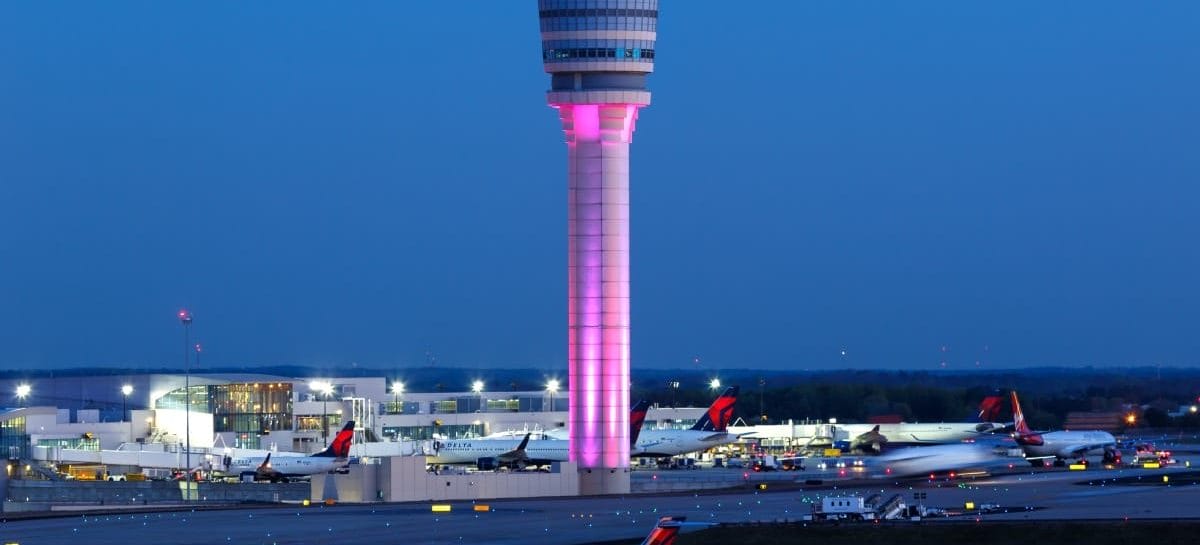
x=598 y=54
x=598 y=137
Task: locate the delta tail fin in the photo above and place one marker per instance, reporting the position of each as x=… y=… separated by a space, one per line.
x=637 y=418
x=719 y=415
x=665 y=532
x=989 y=408
x=340 y=446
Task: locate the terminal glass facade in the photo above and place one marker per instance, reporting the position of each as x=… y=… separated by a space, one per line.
x=249 y=408
x=312 y=422
x=425 y=433
x=78 y=443
x=14 y=442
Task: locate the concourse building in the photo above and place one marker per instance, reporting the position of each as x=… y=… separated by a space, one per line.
x=256 y=411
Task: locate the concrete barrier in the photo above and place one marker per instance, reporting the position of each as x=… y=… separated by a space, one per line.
x=146 y=493
x=646 y=482
x=405 y=479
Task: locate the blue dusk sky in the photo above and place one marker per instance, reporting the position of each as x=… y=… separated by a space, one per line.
x=381 y=183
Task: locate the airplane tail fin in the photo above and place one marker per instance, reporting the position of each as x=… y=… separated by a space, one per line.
x=340 y=446
x=637 y=418
x=524 y=442
x=719 y=415
x=266 y=463
x=665 y=531
x=989 y=408
x=1019 y=424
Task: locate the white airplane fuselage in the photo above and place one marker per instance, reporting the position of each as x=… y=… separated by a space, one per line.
x=905 y=434
x=1068 y=445
x=921 y=461
x=287 y=466
x=469 y=451
x=666 y=443
x=659 y=443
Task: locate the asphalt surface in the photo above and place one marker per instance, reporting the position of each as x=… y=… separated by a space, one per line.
x=1045 y=494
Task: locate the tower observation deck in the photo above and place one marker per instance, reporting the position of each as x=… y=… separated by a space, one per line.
x=598 y=54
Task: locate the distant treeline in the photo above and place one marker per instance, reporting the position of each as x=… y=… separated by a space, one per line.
x=1047 y=393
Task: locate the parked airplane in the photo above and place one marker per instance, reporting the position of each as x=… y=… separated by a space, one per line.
x=519 y=454
x=708 y=432
x=874 y=438
x=1059 y=445
x=922 y=461
x=285 y=468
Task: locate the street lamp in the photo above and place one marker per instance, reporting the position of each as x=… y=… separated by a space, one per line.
x=325 y=388
x=477 y=387
x=185 y=318
x=23 y=392
x=674 y=385
x=762 y=411
x=552 y=387
x=714 y=383
x=125 y=391
x=397 y=389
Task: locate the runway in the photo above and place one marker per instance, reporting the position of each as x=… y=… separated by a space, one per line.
x=1050 y=494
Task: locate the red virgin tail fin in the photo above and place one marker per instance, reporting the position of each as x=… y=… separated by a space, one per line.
x=1019 y=424
x=340 y=446
x=1024 y=435
x=665 y=531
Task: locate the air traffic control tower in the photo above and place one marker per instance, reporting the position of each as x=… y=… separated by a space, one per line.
x=598 y=54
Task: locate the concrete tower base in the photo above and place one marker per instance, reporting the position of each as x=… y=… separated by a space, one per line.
x=600 y=481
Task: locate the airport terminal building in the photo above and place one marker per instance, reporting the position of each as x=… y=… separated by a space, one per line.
x=255 y=411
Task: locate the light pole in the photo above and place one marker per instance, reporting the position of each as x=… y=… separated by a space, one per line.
x=397 y=389
x=674 y=386
x=762 y=392
x=477 y=387
x=185 y=318
x=23 y=392
x=552 y=387
x=125 y=391
x=325 y=388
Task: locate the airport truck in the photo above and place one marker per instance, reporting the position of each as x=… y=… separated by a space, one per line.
x=842 y=508
x=859 y=508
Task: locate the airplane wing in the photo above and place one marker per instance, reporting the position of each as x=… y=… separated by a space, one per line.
x=517 y=454
x=264 y=470
x=1077 y=450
